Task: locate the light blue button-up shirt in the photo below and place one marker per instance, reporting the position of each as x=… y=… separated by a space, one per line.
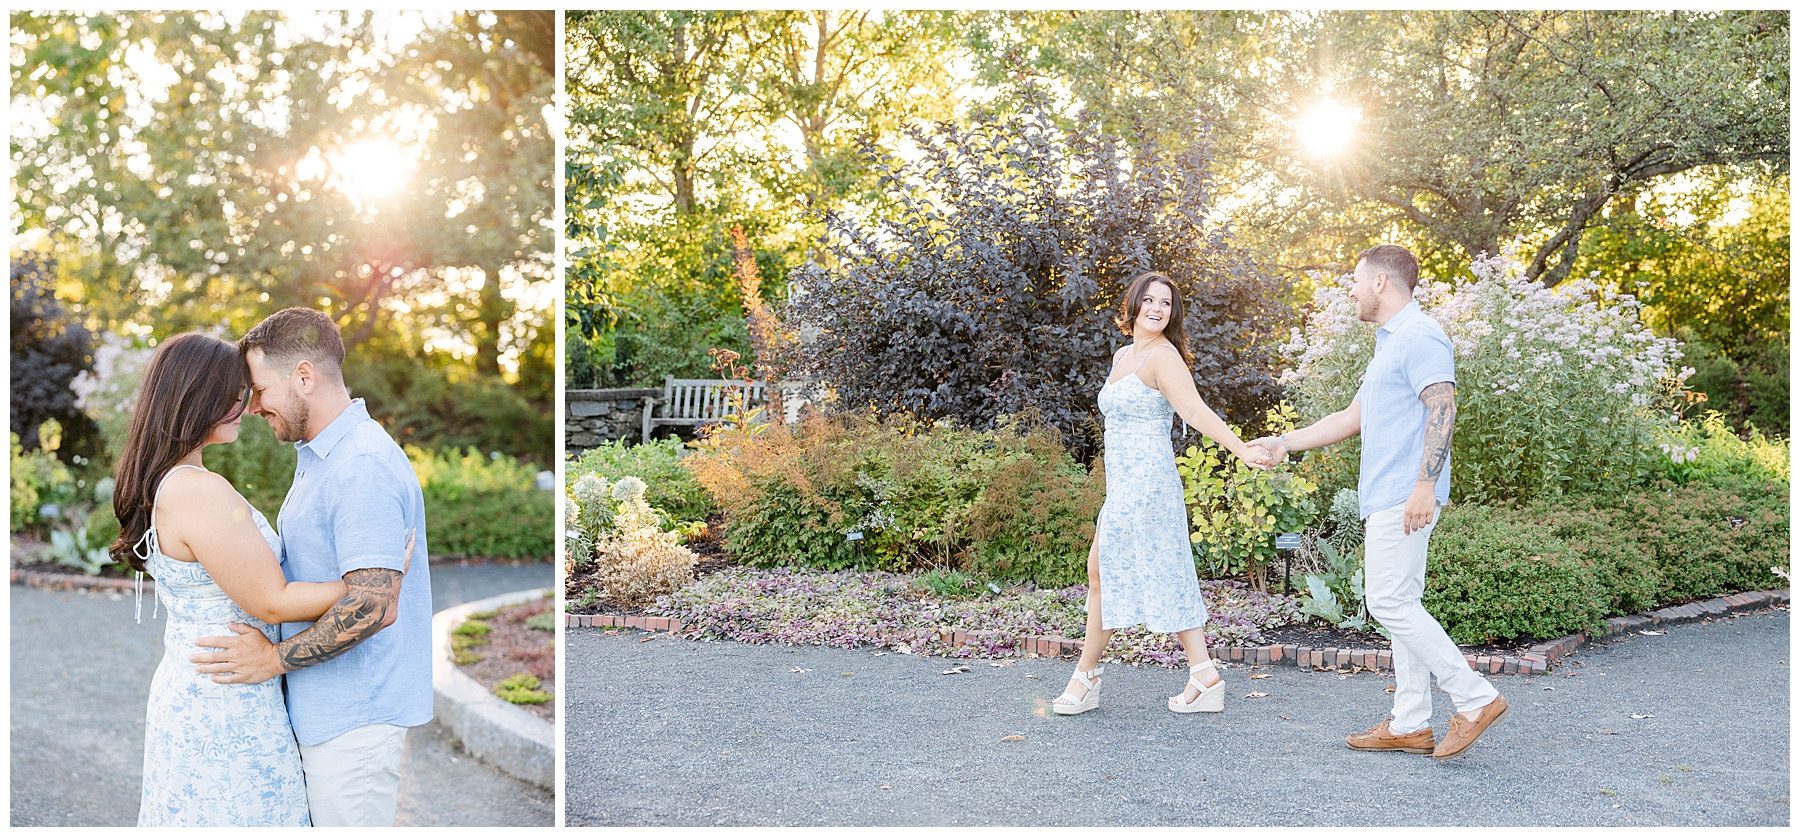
x=1411 y=353
x=354 y=498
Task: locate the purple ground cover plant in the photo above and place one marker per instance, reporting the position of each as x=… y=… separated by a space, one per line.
x=861 y=609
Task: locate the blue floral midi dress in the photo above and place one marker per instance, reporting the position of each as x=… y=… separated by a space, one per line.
x=1146 y=558
x=214 y=754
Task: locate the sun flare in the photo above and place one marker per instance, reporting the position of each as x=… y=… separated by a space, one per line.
x=1327 y=129
x=371 y=169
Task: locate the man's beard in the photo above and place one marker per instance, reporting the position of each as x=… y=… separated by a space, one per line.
x=295 y=416
x=1365 y=311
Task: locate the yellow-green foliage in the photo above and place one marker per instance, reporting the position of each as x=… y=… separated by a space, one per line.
x=522 y=688
x=1708 y=451
x=1237 y=510
x=38 y=477
x=468 y=636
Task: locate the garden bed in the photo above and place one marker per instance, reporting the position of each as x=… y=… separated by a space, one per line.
x=511 y=647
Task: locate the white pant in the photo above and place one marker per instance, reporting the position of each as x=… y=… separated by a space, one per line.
x=1394 y=582
x=354 y=779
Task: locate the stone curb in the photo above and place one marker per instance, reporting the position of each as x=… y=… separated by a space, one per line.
x=1536 y=660
x=499 y=733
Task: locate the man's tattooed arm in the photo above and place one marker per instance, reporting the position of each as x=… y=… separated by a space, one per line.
x=1440 y=417
x=371 y=604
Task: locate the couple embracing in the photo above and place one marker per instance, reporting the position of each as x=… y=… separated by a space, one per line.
x=1141 y=567
x=330 y=605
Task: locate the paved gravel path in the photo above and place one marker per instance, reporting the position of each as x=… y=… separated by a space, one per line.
x=81 y=669
x=677 y=732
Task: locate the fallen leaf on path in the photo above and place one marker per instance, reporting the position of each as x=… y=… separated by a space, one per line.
x=956 y=670
x=880 y=653
x=1664 y=779
x=1034 y=677
x=1608 y=792
x=1606 y=732
x=1013 y=738
x=1641 y=717
x=648 y=638
x=1684 y=768
x=1654 y=633
x=1284 y=717
x=798 y=670
x=1257 y=694
x=1107 y=777
x=1388 y=689
x=1549 y=688
x=1260 y=676
x=887 y=787
x=847 y=673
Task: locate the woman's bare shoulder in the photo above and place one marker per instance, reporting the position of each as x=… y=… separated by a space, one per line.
x=193 y=493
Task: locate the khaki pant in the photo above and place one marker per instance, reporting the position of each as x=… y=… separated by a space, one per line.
x=354 y=779
x=1394 y=583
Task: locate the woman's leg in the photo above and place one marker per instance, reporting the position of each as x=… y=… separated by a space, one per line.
x=1094 y=643
x=1193 y=641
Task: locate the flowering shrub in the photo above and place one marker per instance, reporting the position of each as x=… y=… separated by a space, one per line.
x=1237 y=510
x=107 y=392
x=1558 y=389
x=1005 y=503
x=852 y=609
x=638 y=561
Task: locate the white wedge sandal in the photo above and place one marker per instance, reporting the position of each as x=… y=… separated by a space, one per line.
x=1210 y=699
x=1088 y=700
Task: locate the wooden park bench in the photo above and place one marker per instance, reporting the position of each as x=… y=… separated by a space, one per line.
x=697 y=401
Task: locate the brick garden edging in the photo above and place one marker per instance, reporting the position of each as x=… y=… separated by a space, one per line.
x=1536 y=660
x=70 y=581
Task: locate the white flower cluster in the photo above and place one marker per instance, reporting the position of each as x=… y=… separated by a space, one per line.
x=1679 y=454
x=1553 y=379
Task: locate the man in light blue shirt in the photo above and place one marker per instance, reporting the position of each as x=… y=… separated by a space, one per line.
x=1404 y=410
x=361 y=675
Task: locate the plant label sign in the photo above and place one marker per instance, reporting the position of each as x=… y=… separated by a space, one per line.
x=853 y=536
x=1287 y=541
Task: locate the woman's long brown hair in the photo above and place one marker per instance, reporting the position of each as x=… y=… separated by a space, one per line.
x=193 y=382
x=1133 y=302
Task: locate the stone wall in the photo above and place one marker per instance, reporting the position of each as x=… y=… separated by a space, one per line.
x=594 y=416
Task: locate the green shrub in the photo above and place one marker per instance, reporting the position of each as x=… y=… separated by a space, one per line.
x=38 y=478
x=1004 y=504
x=1602 y=535
x=673 y=489
x=258 y=465
x=1238 y=510
x=1494 y=576
x=488 y=506
x=1710 y=540
x=1708 y=450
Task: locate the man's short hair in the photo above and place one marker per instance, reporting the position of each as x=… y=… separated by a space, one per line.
x=292 y=335
x=1396 y=261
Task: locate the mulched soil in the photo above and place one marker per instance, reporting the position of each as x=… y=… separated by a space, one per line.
x=1316 y=636
x=513 y=648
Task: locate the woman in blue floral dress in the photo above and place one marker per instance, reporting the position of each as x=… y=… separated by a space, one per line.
x=213 y=754
x=1141 y=565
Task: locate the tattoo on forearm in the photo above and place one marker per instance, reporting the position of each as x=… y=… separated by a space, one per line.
x=352 y=619
x=1440 y=418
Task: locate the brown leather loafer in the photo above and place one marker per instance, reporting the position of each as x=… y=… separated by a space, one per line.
x=1463 y=733
x=1378 y=739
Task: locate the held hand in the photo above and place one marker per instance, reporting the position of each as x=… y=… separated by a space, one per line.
x=247 y=657
x=1258 y=457
x=1421 y=507
x=1277 y=449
